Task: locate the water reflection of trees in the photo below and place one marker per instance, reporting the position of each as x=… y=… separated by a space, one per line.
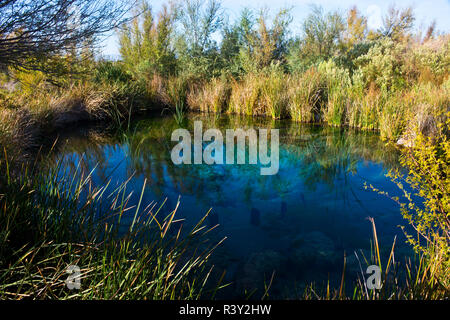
x=311 y=154
x=330 y=154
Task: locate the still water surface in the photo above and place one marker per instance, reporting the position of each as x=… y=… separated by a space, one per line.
x=297 y=223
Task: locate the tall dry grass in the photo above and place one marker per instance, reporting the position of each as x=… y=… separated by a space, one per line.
x=306 y=94
x=364 y=108
x=246 y=96
x=214 y=96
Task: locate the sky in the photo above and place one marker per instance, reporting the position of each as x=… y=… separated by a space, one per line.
x=425 y=10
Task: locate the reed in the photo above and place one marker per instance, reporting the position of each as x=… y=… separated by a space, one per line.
x=274 y=94
x=246 y=96
x=306 y=95
x=393 y=116
x=54 y=218
x=364 y=108
x=319 y=95
x=412 y=279
x=214 y=96
x=338 y=83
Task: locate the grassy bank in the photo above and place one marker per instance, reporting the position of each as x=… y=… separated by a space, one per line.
x=55 y=219
x=393 y=80
x=323 y=94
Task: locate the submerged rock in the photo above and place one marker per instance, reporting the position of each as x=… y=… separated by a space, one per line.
x=283 y=209
x=255 y=217
x=313 y=249
x=258 y=270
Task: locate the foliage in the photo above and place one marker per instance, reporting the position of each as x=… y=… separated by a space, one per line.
x=397 y=22
x=428 y=177
x=382 y=65
x=337 y=81
x=355 y=30
x=145 y=43
x=51 y=219
x=108 y=71
x=33 y=33
x=306 y=92
x=214 y=96
x=196 y=50
x=322 y=35
x=425 y=204
x=266 y=45
x=274 y=92
x=429 y=62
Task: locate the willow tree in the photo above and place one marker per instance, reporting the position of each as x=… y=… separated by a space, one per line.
x=34 y=32
x=322 y=32
x=145 y=42
x=397 y=23
x=255 y=42
x=196 y=48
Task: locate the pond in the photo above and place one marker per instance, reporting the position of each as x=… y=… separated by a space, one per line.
x=297 y=223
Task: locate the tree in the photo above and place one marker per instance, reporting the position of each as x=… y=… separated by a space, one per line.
x=322 y=34
x=196 y=49
x=33 y=32
x=145 y=43
x=354 y=40
x=254 y=43
x=199 y=23
x=236 y=37
x=269 y=44
x=356 y=31
x=239 y=34
x=396 y=23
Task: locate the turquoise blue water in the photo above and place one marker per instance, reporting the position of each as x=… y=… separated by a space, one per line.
x=295 y=225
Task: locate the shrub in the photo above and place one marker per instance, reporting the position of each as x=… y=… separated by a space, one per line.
x=428 y=62
x=428 y=179
x=382 y=65
x=107 y=71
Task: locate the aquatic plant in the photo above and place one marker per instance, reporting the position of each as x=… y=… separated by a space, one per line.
x=274 y=93
x=413 y=279
x=306 y=95
x=55 y=218
x=214 y=96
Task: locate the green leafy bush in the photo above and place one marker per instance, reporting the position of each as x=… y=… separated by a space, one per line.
x=107 y=71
